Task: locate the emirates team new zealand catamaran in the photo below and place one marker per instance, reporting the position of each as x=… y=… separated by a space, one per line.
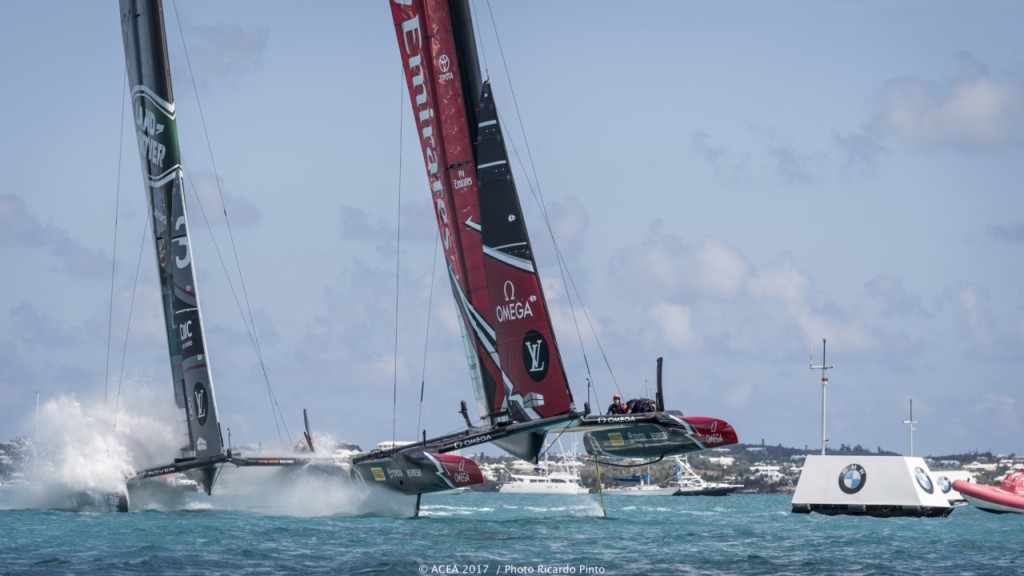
x=522 y=391
x=412 y=469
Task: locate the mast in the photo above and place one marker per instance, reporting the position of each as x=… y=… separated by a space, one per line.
x=824 y=383
x=469 y=64
x=145 y=43
x=912 y=423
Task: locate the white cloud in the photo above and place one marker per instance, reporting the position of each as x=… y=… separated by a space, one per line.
x=666 y=269
x=357 y=224
x=242 y=212
x=724 y=162
x=975 y=323
x=1010 y=232
x=383 y=368
x=721 y=270
x=783 y=282
x=219 y=52
x=893 y=298
x=812 y=312
x=739 y=395
x=795 y=166
x=972 y=111
x=860 y=152
x=19 y=227
x=1003 y=410
x=570 y=222
x=700 y=143
x=790 y=161
x=674 y=325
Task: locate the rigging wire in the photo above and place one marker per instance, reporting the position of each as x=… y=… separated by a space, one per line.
x=113 y=256
x=248 y=321
x=481 y=47
x=538 y=196
x=278 y=421
x=426 y=339
x=131 y=308
x=433 y=275
x=398 y=262
x=138 y=269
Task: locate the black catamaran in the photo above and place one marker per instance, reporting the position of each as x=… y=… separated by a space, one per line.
x=522 y=391
x=412 y=469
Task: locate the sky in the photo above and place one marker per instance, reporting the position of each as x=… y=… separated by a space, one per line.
x=729 y=184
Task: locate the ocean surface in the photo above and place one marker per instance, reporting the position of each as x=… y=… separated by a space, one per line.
x=491 y=533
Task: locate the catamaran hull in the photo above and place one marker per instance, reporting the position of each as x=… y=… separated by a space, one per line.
x=98 y=501
x=654 y=435
x=419 y=472
x=408 y=472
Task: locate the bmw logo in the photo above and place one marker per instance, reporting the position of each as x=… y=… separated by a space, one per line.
x=923 y=480
x=852 y=478
x=944 y=484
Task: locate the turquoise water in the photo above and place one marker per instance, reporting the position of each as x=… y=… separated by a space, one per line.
x=488 y=533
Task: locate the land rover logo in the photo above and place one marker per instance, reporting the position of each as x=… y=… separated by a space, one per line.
x=924 y=480
x=535 y=355
x=852 y=478
x=202 y=402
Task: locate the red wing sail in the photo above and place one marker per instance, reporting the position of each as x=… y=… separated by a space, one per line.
x=512 y=352
x=427 y=45
x=526 y=341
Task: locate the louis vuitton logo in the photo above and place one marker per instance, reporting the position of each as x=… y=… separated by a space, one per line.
x=536 y=363
x=200 y=402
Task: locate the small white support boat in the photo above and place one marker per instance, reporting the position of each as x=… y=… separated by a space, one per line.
x=689 y=483
x=546 y=477
x=643 y=487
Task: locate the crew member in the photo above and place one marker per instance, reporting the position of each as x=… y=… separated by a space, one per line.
x=617 y=406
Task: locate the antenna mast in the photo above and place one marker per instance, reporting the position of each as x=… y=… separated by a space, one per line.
x=824 y=383
x=911 y=422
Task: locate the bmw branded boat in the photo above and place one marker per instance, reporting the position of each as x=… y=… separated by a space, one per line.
x=879 y=486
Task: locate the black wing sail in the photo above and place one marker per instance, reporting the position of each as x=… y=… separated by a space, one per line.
x=152 y=98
